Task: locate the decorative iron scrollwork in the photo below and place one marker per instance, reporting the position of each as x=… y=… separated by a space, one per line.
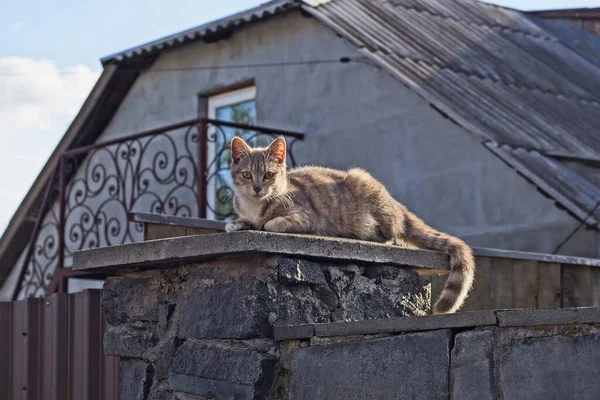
x=156 y=172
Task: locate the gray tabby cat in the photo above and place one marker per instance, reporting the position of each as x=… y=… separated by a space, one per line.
x=323 y=201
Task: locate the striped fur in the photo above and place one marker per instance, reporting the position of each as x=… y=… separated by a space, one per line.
x=323 y=201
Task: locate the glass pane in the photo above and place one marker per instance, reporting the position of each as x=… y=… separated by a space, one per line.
x=243 y=113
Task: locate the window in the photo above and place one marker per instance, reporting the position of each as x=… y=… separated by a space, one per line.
x=235 y=106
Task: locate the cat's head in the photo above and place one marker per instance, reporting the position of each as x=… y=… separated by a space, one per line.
x=258 y=172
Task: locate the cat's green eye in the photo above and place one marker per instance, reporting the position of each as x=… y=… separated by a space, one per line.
x=269 y=175
x=247 y=175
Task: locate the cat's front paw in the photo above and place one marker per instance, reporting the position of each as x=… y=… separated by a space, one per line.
x=235 y=226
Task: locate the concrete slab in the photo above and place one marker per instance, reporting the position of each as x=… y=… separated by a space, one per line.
x=389 y=325
x=294 y=332
x=549 y=316
x=190 y=249
x=408 y=324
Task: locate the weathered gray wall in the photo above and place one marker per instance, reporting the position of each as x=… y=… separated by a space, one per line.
x=357 y=115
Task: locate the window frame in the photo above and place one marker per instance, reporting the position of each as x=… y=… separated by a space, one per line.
x=214 y=102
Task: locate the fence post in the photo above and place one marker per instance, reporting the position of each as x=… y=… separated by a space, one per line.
x=202 y=163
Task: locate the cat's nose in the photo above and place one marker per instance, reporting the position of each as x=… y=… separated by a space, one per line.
x=257 y=190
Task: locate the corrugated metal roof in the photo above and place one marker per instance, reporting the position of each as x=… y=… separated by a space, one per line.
x=494 y=68
x=495 y=72
x=569 y=188
x=209 y=31
x=574 y=35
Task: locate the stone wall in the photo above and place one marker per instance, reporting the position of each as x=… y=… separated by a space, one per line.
x=255 y=315
x=271 y=327
x=557 y=359
x=207 y=329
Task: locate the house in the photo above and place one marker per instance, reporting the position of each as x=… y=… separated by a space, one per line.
x=477 y=117
x=587 y=18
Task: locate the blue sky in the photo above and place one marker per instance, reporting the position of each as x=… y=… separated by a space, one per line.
x=49 y=61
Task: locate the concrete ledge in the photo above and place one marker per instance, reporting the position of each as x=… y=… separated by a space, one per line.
x=295 y=331
x=543 y=257
x=172 y=220
x=392 y=325
x=190 y=249
x=409 y=324
x=548 y=316
x=219 y=226
x=470 y=319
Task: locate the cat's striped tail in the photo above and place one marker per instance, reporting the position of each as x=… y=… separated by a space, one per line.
x=462 y=263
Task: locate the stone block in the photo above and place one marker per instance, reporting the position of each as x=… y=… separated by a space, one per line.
x=129 y=340
x=380 y=272
x=223 y=371
x=128 y=299
x=247 y=309
x=551 y=367
x=299 y=271
x=211 y=387
x=472 y=367
x=165 y=394
x=165 y=311
x=235 y=310
x=163 y=357
x=361 y=298
x=411 y=366
x=135 y=379
x=301 y=305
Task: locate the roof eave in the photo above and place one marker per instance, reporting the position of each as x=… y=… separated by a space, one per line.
x=203 y=31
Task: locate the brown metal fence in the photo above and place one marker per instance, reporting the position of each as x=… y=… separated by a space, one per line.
x=51 y=348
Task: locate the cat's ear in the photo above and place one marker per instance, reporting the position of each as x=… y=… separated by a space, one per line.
x=239 y=148
x=277 y=150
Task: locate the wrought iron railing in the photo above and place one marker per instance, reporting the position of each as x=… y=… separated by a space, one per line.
x=180 y=169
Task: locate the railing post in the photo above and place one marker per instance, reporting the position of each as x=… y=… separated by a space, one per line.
x=202 y=163
x=57 y=285
x=36 y=232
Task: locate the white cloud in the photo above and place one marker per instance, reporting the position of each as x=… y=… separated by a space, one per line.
x=38 y=101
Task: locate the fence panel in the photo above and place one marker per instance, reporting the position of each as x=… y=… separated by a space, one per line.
x=525 y=283
x=52 y=349
x=549 y=285
x=6 y=349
